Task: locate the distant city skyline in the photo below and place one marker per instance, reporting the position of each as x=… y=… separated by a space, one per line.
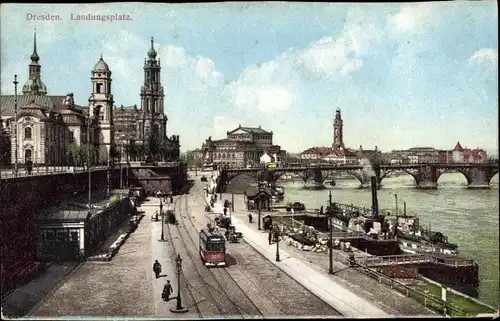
x=403 y=75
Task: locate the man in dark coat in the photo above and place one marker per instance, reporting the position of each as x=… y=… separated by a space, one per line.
x=270 y=238
x=167 y=291
x=250 y=218
x=157 y=268
x=225 y=211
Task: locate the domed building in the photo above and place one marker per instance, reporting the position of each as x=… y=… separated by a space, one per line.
x=52 y=128
x=46 y=125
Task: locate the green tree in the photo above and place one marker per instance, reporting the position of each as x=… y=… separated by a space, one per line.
x=114 y=153
x=74 y=152
x=153 y=147
x=89 y=150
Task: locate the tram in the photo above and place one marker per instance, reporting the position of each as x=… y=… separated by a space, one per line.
x=212 y=248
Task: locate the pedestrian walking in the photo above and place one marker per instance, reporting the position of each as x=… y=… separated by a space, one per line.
x=225 y=211
x=250 y=218
x=157 y=268
x=270 y=237
x=167 y=291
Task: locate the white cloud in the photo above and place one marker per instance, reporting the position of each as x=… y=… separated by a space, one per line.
x=411 y=16
x=331 y=56
x=274 y=86
x=484 y=56
x=205 y=70
x=222 y=125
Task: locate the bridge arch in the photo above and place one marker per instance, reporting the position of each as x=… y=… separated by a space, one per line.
x=453 y=176
x=251 y=175
x=279 y=175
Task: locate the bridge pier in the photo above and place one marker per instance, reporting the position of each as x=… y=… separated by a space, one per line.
x=363 y=176
x=426 y=177
x=478 y=177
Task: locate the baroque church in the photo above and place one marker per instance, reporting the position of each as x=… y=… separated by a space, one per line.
x=39 y=127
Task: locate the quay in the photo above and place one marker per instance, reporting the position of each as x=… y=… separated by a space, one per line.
x=368 y=272
x=339 y=297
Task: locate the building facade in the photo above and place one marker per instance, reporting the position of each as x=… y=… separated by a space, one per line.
x=467 y=155
x=242 y=148
x=40 y=127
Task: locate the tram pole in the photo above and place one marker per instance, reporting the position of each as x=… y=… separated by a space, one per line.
x=396 y=197
x=258 y=198
x=277 y=231
x=330 y=215
x=162 y=222
x=178 y=266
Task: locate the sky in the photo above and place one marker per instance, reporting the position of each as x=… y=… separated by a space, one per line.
x=404 y=74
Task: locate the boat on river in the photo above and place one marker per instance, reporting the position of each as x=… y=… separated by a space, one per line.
x=411 y=236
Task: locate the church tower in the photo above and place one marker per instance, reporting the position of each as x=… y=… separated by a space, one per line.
x=338 y=140
x=152 y=119
x=34 y=85
x=101 y=108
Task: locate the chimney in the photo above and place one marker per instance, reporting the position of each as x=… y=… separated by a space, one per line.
x=374 y=197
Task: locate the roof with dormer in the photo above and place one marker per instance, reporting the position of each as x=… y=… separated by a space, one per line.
x=318 y=151
x=54 y=103
x=250 y=130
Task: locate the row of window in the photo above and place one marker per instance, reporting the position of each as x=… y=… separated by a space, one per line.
x=60 y=235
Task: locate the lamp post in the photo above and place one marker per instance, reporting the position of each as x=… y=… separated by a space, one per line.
x=277 y=232
x=15 y=124
x=330 y=215
x=396 y=197
x=178 y=267
x=258 y=197
x=162 y=222
x=88 y=163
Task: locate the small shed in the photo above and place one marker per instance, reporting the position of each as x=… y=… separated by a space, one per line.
x=61 y=233
x=72 y=231
x=256 y=197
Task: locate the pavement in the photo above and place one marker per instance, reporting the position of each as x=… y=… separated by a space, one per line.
x=164 y=253
x=335 y=294
x=24 y=298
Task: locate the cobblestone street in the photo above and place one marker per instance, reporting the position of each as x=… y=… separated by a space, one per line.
x=125 y=286
x=269 y=288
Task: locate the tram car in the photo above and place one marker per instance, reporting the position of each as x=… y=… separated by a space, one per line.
x=212 y=248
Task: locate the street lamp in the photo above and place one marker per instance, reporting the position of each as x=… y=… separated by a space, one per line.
x=277 y=234
x=122 y=137
x=15 y=123
x=162 y=222
x=330 y=215
x=258 y=197
x=178 y=267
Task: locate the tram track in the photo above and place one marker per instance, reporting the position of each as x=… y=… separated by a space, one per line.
x=226 y=281
x=214 y=290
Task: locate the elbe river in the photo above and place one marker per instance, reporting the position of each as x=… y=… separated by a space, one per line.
x=469 y=217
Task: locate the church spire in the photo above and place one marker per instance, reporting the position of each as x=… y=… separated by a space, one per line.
x=152 y=52
x=34 y=56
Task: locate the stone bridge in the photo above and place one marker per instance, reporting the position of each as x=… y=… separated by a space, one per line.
x=425 y=175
